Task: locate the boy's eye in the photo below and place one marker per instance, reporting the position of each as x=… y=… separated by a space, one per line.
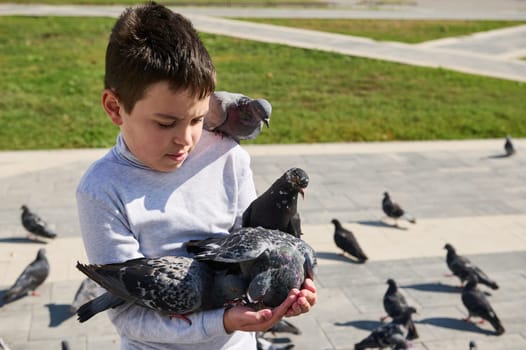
x=197 y=120
x=166 y=126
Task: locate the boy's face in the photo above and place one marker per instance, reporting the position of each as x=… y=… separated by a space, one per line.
x=163 y=127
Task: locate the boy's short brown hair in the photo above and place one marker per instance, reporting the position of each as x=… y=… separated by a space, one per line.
x=150 y=43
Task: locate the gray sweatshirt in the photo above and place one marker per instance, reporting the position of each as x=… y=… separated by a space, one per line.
x=128 y=211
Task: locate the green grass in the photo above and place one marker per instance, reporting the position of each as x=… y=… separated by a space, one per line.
x=406 y=31
x=52 y=71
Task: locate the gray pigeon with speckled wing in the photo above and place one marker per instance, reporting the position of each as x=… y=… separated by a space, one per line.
x=277 y=207
x=30 y=279
x=35 y=225
x=478 y=304
x=347 y=242
x=236 y=115
x=264 y=344
x=462 y=267
x=174 y=286
x=284 y=326
x=393 y=335
x=272 y=262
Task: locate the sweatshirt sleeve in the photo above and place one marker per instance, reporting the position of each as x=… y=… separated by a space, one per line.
x=246 y=188
x=107 y=239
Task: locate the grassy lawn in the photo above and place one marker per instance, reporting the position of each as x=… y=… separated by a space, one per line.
x=406 y=31
x=52 y=70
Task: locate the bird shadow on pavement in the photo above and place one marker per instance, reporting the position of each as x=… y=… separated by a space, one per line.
x=23 y=240
x=434 y=287
x=336 y=256
x=59 y=313
x=367 y=325
x=497 y=156
x=380 y=223
x=454 y=323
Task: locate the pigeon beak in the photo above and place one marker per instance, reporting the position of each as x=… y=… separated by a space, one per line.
x=267 y=122
x=302 y=192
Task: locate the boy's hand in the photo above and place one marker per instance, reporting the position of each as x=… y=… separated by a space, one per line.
x=242 y=318
x=306 y=298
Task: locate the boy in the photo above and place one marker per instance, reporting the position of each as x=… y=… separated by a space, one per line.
x=166 y=180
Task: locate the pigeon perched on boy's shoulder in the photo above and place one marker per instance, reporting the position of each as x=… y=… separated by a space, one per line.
x=35 y=225
x=347 y=242
x=237 y=115
x=478 y=304
x=277 y=207
x=394 y=210
x=30 y=279
x=172 y=285
x=272 y=262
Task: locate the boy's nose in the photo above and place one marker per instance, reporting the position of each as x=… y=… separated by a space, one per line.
x=183 y=136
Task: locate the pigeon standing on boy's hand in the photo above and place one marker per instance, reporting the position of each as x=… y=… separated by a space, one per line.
x=277 y=207
x=237 y=115
x=35 y=225
x=30 y=279
x=272 y=262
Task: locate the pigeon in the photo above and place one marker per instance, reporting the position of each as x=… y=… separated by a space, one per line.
x=461 y=267
x=283 y=326
x=264 y=344
x=508 y=146
x=393 y=334
x=393 y=210
x=172 y=285
x=472 y=345
x=276 y=208
x=30 y=279
x=3 y=345
x=346 y=241
x=65 y=345
x=237 y=116
x=395 y=305
x=35 y=225
x=478 y=305
x=88 y=290
x=271 y=261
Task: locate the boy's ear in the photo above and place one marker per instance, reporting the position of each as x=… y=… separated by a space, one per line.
x=111 y=105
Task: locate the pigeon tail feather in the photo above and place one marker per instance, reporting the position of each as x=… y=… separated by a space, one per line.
x=101 y=303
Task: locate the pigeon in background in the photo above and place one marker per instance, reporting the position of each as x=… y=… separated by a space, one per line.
x=3 y=345
x=478 y=305
x=236 y=115
x=508 y=146
x=284 y=326
x=462 y=267
x=264 y=344
x=273 y=262
x=172 y=285
x=346 y=241
x=393 y=334
x=30 y=279
x=472 y=345
x=35 y=225
x=88 y=290
x=277 y=207
x=395 y=305
x=65 y=345
x=393 y=210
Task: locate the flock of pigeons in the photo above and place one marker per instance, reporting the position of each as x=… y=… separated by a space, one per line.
x=254 y=266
